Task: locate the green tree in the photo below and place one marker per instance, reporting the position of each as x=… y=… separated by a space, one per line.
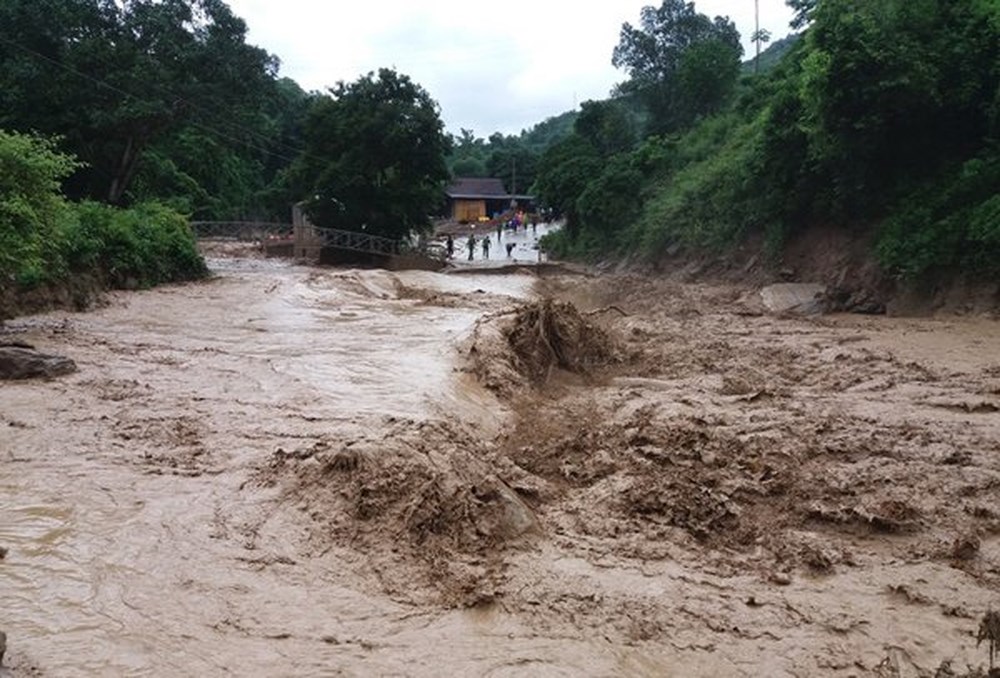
x=514 y=163
x=468 y=155
x=565 y=171
x=607 y=125
x=112 y=78
x=611 y=201
x=217 y=177
x=374 y=157
x=759 y=37
x=888 y=85
x=681 y=64
x=803 y=12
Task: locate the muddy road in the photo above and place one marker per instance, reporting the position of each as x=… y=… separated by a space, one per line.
x=292 y=471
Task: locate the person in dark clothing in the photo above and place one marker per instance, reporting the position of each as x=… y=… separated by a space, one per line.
x=471 y=245
x=450 y=245
x=510 y=248
x=486 y=247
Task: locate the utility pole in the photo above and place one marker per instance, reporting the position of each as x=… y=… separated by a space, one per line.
x=759 y=35
x=756 y=33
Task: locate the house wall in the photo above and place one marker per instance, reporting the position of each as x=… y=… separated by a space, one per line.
x=468 y=210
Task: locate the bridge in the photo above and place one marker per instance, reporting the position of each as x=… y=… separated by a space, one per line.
x=307 y=241
x=359 y=241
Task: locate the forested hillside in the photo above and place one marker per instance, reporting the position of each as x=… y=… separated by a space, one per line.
x=882 y=119
x=119 y=121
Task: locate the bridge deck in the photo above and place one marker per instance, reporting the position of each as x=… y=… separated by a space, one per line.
x=309 y=239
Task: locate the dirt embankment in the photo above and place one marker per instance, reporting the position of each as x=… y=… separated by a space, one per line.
x=83 y=292
x=76 y=294
x=843 y=261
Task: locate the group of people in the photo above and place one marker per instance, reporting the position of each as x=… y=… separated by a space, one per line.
x=470 y=244
x=507 y=225
x=485 y=243
x=515 y=222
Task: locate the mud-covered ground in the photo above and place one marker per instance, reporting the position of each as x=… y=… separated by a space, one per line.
x=289 y=471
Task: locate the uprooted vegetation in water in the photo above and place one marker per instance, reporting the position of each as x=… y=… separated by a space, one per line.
x=522 y=347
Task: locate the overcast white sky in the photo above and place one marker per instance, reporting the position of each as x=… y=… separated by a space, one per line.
x=492 y=66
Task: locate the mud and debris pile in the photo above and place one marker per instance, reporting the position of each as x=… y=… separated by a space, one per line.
x=522 y=347
x=552 y=334
x=415 y=496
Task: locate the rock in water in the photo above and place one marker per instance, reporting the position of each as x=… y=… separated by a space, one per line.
x=19 y=362
x=798 y=298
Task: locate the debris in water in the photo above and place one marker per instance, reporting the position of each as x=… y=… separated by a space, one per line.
x=989 y=629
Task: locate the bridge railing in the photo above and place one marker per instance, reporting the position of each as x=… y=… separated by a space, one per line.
x=359 y=241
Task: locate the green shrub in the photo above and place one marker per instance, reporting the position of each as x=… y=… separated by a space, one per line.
x=145 y=245
x=45 y=239
x=32 y=210
x=952 y=222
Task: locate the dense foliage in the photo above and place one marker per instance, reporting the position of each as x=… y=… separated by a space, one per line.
x=374 y=157
x=159 y=99
x=44 y=238
x=883 y=119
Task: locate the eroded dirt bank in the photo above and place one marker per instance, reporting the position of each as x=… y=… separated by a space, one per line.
x=286 y=471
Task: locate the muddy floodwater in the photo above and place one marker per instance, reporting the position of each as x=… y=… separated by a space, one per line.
x=287 y=470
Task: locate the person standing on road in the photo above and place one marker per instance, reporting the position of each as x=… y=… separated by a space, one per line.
x=450 y=245
x=486 y=247
x=471 y=245
x=510 y=248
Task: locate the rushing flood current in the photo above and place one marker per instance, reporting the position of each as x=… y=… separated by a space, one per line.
x=747 y=495
x=120 y=481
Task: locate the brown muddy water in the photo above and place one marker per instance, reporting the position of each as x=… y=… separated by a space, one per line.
x=293 y=471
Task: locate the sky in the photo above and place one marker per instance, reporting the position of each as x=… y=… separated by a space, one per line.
x=491 y=66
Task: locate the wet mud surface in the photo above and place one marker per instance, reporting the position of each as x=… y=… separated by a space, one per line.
x=292 y=471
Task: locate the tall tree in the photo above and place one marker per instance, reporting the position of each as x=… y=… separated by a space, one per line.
x=681 y=64
x=374 y=157
x=758 y=36
x=512 y=162
x=607 y=125
x=565 y=171
x=113 y=77
x=803 y=11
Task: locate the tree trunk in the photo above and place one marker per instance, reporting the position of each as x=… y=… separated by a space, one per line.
x=127 y=166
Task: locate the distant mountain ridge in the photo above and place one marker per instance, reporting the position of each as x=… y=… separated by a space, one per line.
x=771 y=56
